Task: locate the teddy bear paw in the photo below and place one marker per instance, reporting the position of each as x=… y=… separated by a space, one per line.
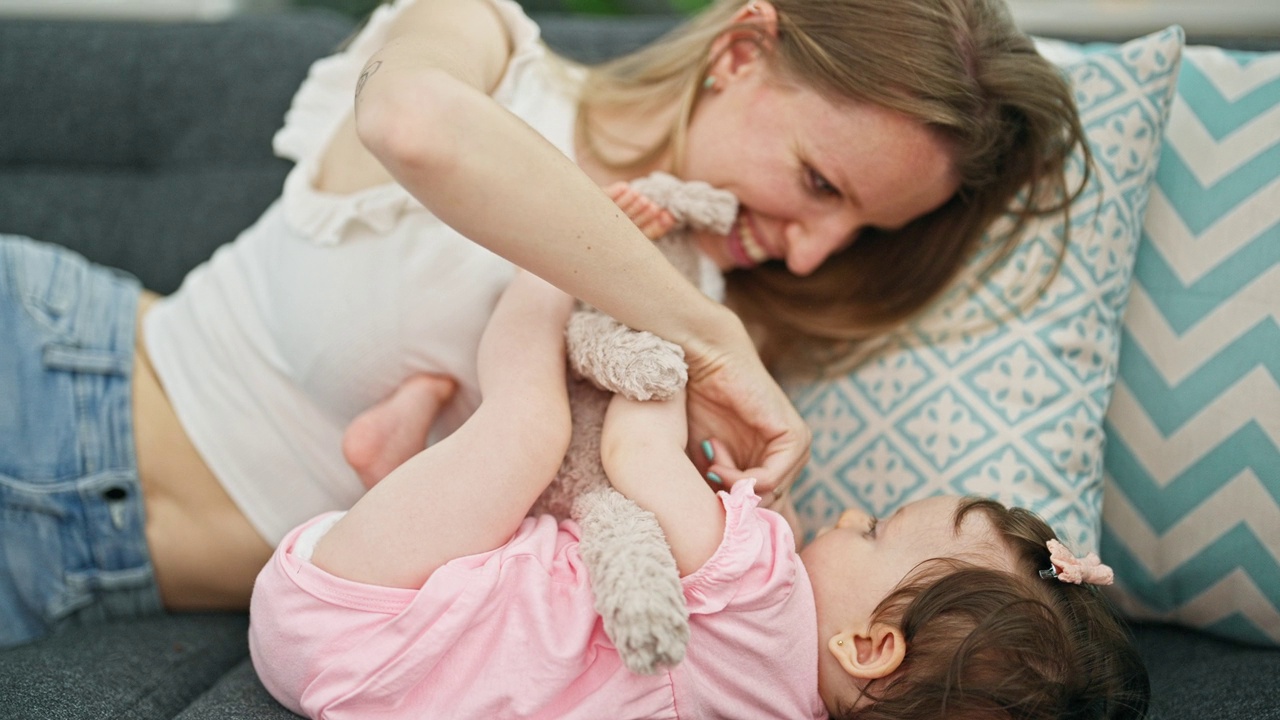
x=638 y=365
x=648 y=638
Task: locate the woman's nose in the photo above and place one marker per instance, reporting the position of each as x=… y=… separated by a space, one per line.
x=809 y=247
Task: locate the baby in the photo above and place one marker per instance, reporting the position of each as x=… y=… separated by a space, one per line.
x=434 y=596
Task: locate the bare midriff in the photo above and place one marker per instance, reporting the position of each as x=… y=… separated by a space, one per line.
x=204 y=551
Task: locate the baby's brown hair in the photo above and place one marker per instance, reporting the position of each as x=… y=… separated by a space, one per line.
x=984 y=643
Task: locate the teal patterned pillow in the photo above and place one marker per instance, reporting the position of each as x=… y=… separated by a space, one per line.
x=977 y=398
x=1192 y=508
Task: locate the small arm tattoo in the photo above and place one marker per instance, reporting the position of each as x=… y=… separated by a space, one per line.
x=364 y=76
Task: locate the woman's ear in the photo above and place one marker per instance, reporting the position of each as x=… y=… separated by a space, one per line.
x=870 y=653
x=761 y=12
x=737 y=47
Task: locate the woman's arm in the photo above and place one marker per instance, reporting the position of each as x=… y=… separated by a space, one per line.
x=642 y=448
x=422 y=108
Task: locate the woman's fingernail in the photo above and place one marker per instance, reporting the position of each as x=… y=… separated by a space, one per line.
x=708 y=450
x=714 y=478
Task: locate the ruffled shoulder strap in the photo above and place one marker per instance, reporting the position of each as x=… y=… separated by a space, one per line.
x=324 y=97
x=321 y=104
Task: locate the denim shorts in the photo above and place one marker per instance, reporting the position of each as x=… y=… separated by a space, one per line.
x=73 y=548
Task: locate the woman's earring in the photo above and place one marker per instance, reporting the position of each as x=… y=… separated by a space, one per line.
x=709 y=82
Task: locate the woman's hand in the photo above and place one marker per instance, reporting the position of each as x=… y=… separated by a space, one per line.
x=736 y=404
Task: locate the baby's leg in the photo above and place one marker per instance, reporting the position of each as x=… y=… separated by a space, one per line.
x=392 y=431
x=469 y=492
x=652 y=219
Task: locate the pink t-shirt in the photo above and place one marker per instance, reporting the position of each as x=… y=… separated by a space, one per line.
x=513 y=633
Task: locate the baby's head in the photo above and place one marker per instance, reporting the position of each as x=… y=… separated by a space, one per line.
x=940 y=611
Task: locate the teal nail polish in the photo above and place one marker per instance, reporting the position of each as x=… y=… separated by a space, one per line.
x=708 y=450
x=714 y=478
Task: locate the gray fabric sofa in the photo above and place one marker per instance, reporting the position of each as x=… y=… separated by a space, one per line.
x=147 y=146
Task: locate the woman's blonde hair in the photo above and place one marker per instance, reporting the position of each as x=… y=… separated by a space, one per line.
x=961 y=67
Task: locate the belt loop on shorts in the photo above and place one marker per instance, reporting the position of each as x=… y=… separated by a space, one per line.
x=87 y=360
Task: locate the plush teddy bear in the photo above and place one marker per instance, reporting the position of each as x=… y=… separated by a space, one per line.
x=633 y=574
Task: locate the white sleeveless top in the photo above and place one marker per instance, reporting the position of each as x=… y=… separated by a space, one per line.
x=327 y=303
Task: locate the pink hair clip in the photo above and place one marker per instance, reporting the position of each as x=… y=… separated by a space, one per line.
x=1069 y=568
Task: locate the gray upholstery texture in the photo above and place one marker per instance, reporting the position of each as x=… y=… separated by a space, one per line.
x=145 y=146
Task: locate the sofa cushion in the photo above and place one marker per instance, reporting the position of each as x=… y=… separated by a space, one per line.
x=586 y=38
x=978 y=397
x=1198 y=677
x=138 y=669
x=238 y=695
x=171 y=157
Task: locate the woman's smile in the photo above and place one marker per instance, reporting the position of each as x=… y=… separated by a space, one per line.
x=746 y=243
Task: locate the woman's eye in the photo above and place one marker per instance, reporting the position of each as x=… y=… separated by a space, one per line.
x=819 y=184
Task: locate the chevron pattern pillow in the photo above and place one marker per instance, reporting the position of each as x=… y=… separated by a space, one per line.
x=977 y=398
x=1192 y=509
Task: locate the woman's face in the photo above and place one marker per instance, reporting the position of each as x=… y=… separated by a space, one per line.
x=809 y=173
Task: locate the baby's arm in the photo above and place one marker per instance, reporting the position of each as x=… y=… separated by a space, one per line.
x=643 y=451
x=786 y=507
x=469 y=493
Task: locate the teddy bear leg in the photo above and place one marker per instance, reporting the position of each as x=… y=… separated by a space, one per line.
x=635 y=580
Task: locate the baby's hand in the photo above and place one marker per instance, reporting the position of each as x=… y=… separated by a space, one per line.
x=652 y=219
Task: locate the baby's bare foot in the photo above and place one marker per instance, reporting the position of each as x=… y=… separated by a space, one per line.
x=652 y=219
x=381 y=438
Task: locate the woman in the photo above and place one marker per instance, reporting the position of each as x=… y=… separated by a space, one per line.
x=904 y=126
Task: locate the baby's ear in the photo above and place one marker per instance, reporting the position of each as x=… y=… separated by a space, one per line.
x=869 y=653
